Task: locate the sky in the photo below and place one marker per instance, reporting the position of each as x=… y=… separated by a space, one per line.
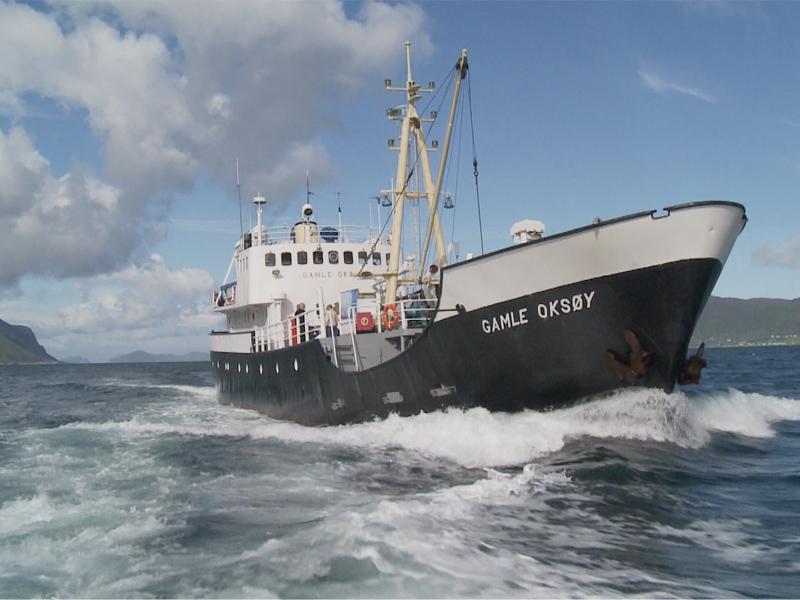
x=121 y=124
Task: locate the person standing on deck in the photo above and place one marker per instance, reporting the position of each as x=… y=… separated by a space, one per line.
x=431 y=285
x=300 y=320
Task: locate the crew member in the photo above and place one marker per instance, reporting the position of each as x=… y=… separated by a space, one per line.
x=431 y=287
x=300 y=320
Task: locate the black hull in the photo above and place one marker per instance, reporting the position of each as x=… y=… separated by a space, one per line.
x=541 y=351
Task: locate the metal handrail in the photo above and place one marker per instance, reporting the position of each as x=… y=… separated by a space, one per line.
x=414 y=313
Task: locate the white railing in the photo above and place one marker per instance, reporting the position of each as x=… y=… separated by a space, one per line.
x=354 y=234
x=289 y=332
x=412 y=314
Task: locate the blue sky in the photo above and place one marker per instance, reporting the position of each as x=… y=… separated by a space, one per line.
x=121 y=122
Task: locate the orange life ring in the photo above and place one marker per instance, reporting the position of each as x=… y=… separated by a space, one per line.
x=390 y=322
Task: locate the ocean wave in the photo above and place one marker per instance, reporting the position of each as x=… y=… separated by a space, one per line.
x=477 y=438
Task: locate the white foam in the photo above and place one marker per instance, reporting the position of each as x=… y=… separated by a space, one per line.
x=725 y=539
x=19 y=515
x=750 y=415
x=478 y=438
x=440 y=543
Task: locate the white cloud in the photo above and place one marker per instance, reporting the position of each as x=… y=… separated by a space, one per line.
x=173 y=90
x=786 y=255
x=144 y=306
x=663 y=85
x=70 y=226
x=136 y=296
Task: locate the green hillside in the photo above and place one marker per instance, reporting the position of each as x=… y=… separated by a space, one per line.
x=18 y=345
x=754 y=322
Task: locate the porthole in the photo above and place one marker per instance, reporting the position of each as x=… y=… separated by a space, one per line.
x=260 y=369
x=247 y=368
x=277 y=368
x=296 y=366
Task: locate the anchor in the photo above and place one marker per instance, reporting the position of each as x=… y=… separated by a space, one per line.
x=690 y=372
x=635 y=364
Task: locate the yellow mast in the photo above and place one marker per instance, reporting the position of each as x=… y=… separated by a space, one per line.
x=433 y=195
x=411 y=120
x=400 y=182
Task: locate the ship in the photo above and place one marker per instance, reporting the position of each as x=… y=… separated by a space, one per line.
x=330 y=324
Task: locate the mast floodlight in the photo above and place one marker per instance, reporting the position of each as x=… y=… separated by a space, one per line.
x=431 y=85
x=386 y=201
x=387 y=82
x=448 y=201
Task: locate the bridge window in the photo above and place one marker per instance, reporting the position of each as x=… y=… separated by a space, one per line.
x=286 y=258
x=348 y=257
x=269 y=259
x=302 y=257
x=317 y=257
x=376 y=258
x=362 y=257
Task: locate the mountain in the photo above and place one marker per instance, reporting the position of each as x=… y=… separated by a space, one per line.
x=145 y=357
x=754 y=322
x=76 y=360
x=18 y=345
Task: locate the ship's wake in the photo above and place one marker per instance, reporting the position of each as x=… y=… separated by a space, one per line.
x=479 y=438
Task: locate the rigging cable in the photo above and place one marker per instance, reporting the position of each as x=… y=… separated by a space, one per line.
x=448 y=83
x=460 y=127
x=475 y=160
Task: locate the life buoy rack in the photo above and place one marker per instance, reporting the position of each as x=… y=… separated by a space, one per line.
x=390 y=316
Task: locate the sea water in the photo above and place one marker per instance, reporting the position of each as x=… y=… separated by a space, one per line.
x=121 y=481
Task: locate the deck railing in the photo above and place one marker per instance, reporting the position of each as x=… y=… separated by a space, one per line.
x=297 y=329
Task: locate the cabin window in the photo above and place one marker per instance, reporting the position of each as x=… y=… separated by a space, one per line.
x=348 y=257
x=387 y=258
x=317 y=255
x=333 y=257
x=362 y=257
x=302 y=257
x=286 y=258
x=376 y=258
x=269 y=259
